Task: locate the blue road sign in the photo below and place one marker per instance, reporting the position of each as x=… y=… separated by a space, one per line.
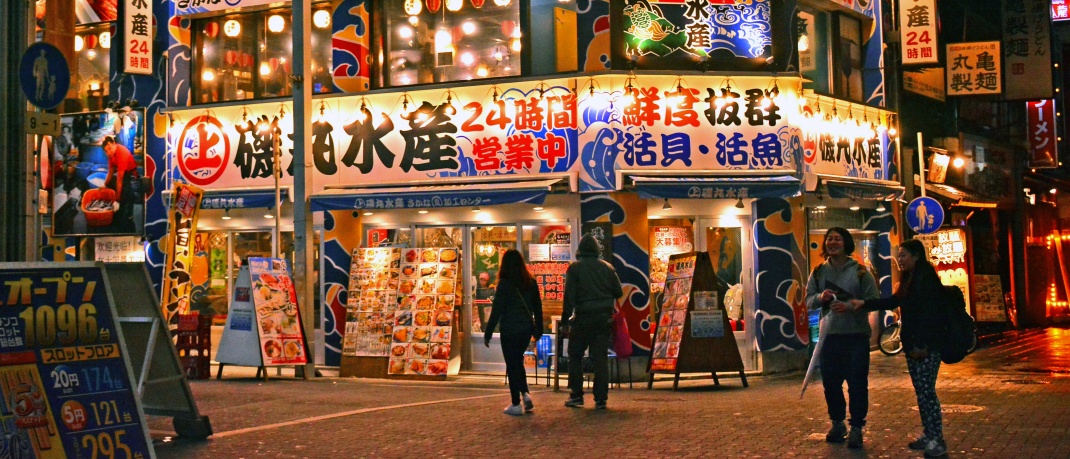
x=44 y=75
x=925 y=215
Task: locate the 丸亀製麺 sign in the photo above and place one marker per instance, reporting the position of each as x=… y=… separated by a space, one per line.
x=919 y=38
x=974 y=68
x=137 y=36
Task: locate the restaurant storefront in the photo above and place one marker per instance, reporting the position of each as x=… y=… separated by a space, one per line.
x=439 y=127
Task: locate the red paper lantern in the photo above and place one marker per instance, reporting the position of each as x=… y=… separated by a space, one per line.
x=231 y=57
x=274 y=63
x=211 y=29
x=508 y=27
x=247 y=60
x=478 y=3
x=434 y=5
x=90 y=41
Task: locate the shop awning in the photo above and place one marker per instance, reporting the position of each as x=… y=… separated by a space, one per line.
x=958 y=197
x=849 y=189
x=780 y=186
x=434 y=196
x=238 y=198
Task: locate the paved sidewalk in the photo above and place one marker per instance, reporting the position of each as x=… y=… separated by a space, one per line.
x=1010 y=399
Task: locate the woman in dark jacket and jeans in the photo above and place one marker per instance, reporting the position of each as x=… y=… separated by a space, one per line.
x=518 y=308
x=919 y=296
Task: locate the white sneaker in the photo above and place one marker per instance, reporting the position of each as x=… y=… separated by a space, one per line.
x=514 y=410
x=528 y=404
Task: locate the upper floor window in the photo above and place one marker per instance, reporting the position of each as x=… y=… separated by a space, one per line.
x=455 y=42
x=249 y=56
x=830 y=47
x=847 y=58
x=90 y=77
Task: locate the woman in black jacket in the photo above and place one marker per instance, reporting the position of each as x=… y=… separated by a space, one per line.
x=918 y=295
x=518 y=308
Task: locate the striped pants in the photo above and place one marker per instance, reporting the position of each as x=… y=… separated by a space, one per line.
x=923 y=375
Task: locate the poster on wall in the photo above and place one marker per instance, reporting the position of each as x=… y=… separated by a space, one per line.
x=374 y=278
x=988 y=302
x=282 y=340
x=427 y=300
x=550 y=276
x=68 y=394
x=674 y=307
x=94 y=169
x=117 y=249
x=182 y=224
x=949 y=253
x=666 y=241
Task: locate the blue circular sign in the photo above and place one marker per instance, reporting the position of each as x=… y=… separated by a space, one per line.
x=925 y=215
x=44 y=75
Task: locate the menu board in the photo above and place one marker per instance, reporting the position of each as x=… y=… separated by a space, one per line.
x=282 y=340
x=665 y=241
x=949 y=252
x=670 y=328
x=423 y=322
x=64 y=373
x=550 y=277
x=988 y=304
x=374 y=277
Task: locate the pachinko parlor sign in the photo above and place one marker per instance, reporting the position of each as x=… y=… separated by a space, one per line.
x=594 y=127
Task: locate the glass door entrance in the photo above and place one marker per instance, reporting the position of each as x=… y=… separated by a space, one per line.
x=724 y=240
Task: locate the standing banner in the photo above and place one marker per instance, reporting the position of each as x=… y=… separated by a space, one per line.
x=1043 y=141
x=64 y=368
x=282 y=340
x=974 y=68
x=1027 y=49
x=918 y=19
x=137 y=34
x=182 y=226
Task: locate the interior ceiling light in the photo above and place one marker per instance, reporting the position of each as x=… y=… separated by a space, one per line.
x=226 y=214
x=880 y=207
x=958 y=162
x=270 y=213
x=368 y=213
x=855 y=208
x=475 y=209
x=666 y=206
x=422 y=211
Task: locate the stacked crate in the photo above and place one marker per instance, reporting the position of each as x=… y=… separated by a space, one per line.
x=194 y=344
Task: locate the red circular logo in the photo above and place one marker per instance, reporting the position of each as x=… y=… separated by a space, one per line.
x=203 y=150
x=74 y=415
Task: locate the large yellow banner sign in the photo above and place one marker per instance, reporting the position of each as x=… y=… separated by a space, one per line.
x=182 y=224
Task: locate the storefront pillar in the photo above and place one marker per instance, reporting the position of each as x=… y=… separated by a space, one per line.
x=303 y=175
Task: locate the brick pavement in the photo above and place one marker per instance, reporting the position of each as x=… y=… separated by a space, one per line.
x=1010 y=399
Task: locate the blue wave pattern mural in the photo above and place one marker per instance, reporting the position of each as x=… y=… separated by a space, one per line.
x=335 y=280
x=780 y=316
x=630 y=259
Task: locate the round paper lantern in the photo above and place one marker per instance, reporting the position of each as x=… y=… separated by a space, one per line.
x=90 y=41
x=211 y=29
x=274 y=63
x=478 y=3
x=413 y=7
x=231 y=57
x=434 y=5
x=508 y=27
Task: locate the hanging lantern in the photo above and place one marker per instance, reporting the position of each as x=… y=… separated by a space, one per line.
x=478 y=3
x=454 y=5
x=211 y=29
x=79 y=43
x=502 y=2
x=434 y=5
x=231 y=57
x=276 y=23
x=105 y=39
x=90 y=41
x=321 y=19
x=231 y=28
x=507 y=27
x=413 y=7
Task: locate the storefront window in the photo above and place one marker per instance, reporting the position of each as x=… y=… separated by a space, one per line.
x=548 y=250
x=249 y=56
x=454 y=42
x=813 y=48
x=488 y=245
x=92 y=48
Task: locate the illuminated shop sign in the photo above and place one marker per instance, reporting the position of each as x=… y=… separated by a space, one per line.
x=694 y=31
x=602 y=125
x=846 y=141
x=185 y=7
x=949 y=251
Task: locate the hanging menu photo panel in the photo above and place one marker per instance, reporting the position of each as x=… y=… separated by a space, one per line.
x=679 y=271
x=423 y=324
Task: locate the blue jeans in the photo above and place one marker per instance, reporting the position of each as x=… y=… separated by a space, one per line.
x=846 y=358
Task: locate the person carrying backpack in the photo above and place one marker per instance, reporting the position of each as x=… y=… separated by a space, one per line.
x=845 y=355
x=919 y=295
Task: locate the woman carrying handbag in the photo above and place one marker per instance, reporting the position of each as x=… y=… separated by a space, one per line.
x=517 y=307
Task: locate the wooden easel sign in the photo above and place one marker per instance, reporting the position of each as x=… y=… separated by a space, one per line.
x=692 y=323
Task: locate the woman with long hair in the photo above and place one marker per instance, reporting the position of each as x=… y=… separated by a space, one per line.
x=517 y=307
x=919 y=296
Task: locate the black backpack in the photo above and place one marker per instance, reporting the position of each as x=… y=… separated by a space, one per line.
x=957 y=329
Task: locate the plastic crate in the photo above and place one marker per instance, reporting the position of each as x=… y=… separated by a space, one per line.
x=193 y=341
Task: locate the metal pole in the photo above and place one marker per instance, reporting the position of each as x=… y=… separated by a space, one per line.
x=276 y=173
x=921 y=164
x=303 y=169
